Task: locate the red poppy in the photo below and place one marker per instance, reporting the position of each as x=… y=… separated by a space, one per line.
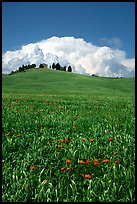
x=116 y=152
x=116 y=162
x=33 y=168
x=82 y=162
x=59 y=140
x=110 y=139
x=91 y=140
x=96 y=162
x=59 y=146
x=62 y=169
x=88 y=161
x=106 y=161
x=63 y=141
x=53 y=141
x=74 y=117
x=66 y=140
x=68 y=161
x=83 y=139
x=68 y=169
x=87 y=176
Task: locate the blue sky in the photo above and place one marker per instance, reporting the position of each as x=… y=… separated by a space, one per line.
x=95 y=22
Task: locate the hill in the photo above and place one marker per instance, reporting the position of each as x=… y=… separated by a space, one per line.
x=49 y=81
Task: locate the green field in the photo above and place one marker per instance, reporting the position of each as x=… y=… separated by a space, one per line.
x=67 y=137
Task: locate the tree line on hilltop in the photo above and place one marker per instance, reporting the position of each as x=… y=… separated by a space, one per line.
x=57 y=66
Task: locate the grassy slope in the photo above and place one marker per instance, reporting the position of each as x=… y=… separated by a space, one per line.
x=51 y=81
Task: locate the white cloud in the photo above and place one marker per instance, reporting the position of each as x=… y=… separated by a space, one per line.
x=85 y=58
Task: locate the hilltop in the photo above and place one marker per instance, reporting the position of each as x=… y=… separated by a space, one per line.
x=39 y=80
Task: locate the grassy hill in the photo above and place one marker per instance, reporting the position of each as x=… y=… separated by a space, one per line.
x=67 y=138
x=44 y=81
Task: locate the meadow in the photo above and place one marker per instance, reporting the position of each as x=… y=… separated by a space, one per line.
x=67 y=138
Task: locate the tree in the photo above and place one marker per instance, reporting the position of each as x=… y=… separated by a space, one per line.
x=58 y=66
x=69 y=69
x=53 y=66
x=41 y=66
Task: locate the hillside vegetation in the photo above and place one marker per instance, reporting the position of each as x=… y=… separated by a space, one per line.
x=67 y=138
x=52 y=81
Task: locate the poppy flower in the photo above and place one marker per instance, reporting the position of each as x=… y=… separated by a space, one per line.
x=88 y=161
x=53 y=141
x=33 y=168
x=68 y=161
x=110 y=139
x=66 y=140
x=83 y=139
x=68 y=169
x=59 y=140
x=62 y=169
x=59 y=146
x=96 y=162
x=63 y=141
x=106 y=161
x=74 y=117
x=82 y=162
x=91 y=140
x=116 y=152
x=87 y=176
x=116 y=162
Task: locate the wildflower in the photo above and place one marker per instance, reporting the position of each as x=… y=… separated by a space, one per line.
x=116 y=152
x=8 y=134
x=68 y=161
x=59 y=140
x=87 y=176
x=106 y=161
x=45 y=181
x=88 y=161
x=62 y=169
x=83 y=139
x=116 y=162
x=66 y=140
x=91 y=140
x=96 y=162
x=74 y=126
x=53 y=141
x=68 y=169
x=18 y=135
x=74 y=117
x=33 y=168
x=110 y=139
x=82 y=162
x=59 y=146
x=63 y=141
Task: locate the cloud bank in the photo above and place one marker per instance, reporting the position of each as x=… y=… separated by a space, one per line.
x=84 y=58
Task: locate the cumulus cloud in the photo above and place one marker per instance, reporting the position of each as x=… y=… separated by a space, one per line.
x=84 y=57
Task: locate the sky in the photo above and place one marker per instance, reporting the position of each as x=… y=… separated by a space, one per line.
x=94 y=37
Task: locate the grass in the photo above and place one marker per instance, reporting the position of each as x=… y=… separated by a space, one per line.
x=87 y=111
